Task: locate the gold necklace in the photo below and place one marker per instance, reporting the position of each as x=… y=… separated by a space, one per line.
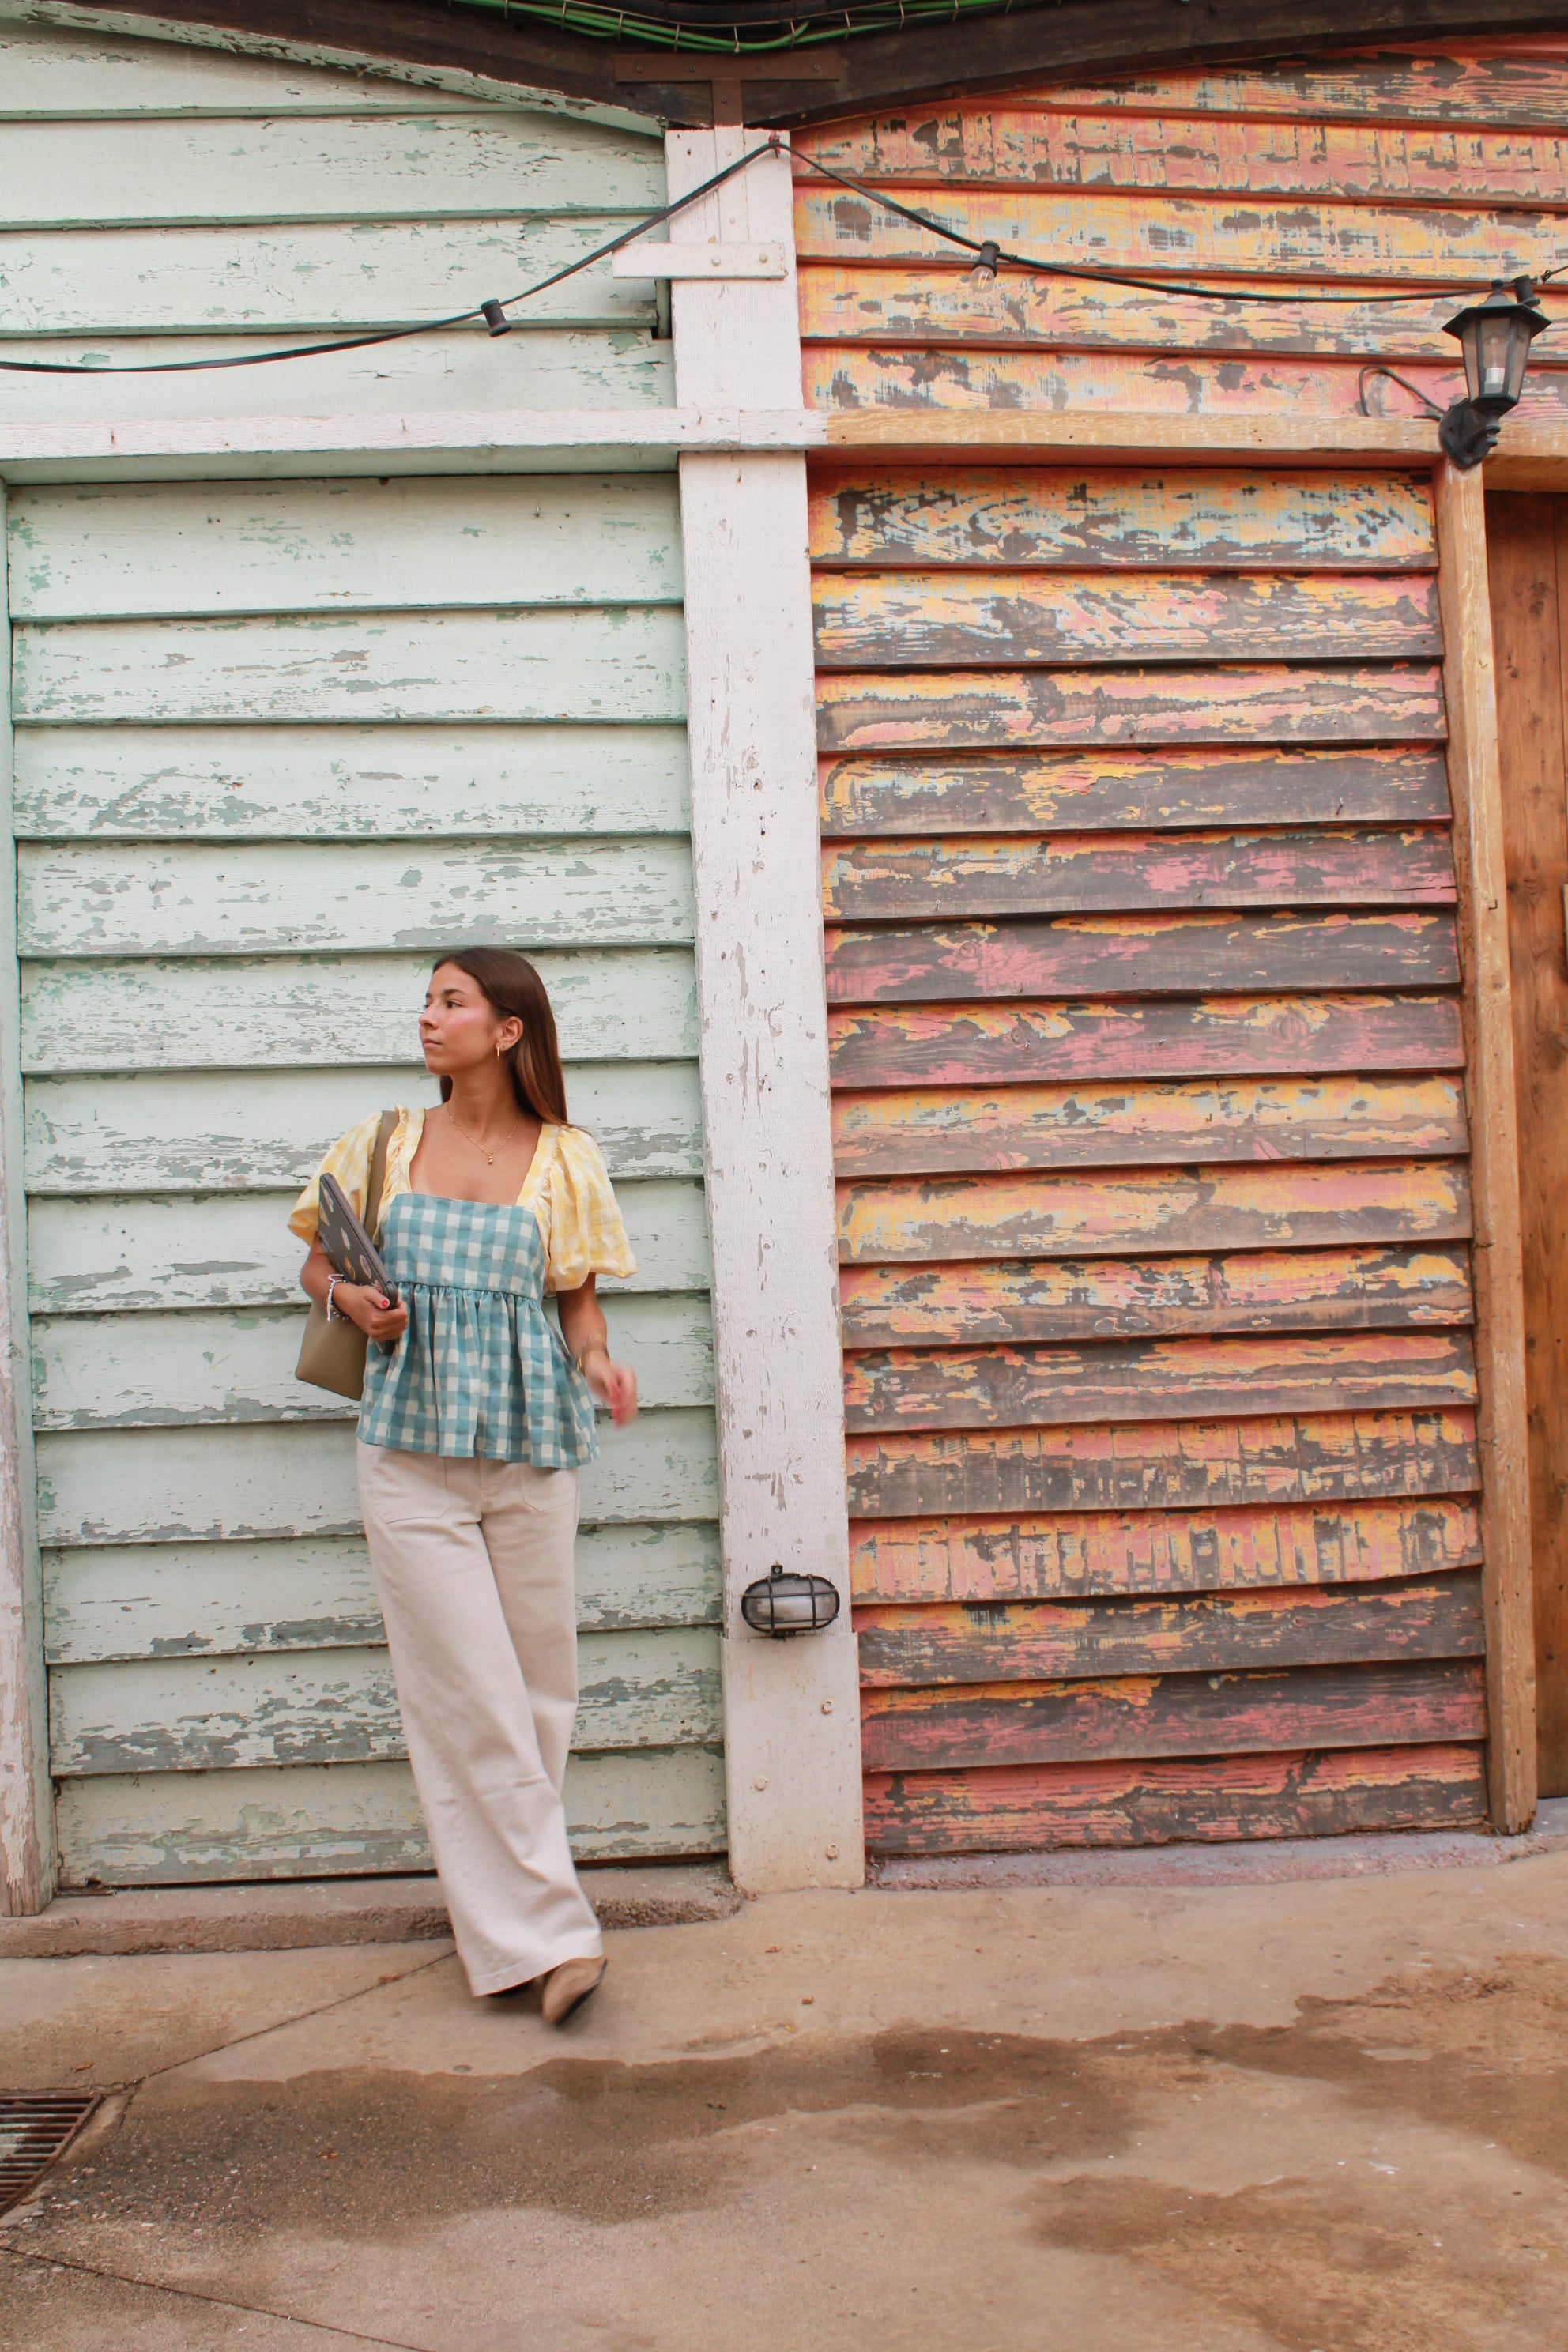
x=489 y=1157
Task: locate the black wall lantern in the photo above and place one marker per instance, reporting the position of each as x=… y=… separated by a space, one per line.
x=781 y=1603
x=1495 y=337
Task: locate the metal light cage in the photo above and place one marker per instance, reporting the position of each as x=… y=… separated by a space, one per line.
x=783 y=1603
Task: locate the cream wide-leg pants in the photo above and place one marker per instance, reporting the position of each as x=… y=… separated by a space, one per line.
x=472 y=1562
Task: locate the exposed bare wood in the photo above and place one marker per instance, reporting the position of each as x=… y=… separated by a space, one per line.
x=1475 y=782
x=1167 y=1465
x=1122 y=519
x=1085 y=792
x=1167 y=1379
x=1052 y=1556
x=1101 y=1298
x=1130 y=1211
x=1303 y=1794
x=1236 y=1714
x=1020 y=1042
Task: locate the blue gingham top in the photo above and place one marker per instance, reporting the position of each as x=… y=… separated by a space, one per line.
x=479 y=1370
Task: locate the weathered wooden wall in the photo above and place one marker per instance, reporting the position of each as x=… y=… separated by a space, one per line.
x=1427 y=168
x=275 y=744
x=1150 y=1096
x=1151 y=1130
x=160 y=202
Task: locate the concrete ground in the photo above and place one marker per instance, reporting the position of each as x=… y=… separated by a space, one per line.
x=1329 y=2115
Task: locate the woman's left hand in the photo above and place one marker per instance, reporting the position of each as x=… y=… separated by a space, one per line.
x=614 y=1384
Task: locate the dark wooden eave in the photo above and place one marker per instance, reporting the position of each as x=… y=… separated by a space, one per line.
x=879 y=70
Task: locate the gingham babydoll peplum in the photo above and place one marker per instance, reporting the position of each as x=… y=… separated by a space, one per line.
x=481 y=1370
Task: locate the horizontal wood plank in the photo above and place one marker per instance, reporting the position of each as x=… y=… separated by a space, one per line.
x=928 y=619
x=298 y=278
x=1120 y=518
x=1165 y=1465
x=330 y=1821
x=447 y=373
x=1173 y=1715
x=348 y=783
x=259 y=1130
x=1085 y=1555
x=967 y=875
x=1106 y=1299
x=161 y=1486
x=927 y=304
x=98 y=899
x=1165 y=235
x=1162 y=1380
x=1178 y=151
x=624 y=664
x=228 y=1600
x=235 y=1365
x=1135 y=1211
x=1001 y=709
x=935 y=1131
x=108 y=1256
x=1146 y=791
x=1223 y=383
x=425 y=166
x=1304 y=1794
x=99 y=551
x=1211 y=1633
x=1019 y=1043
x=47 y=70
x=280 y=1011
x=1488 y=81
x=340 y=1707
x=1138 y=954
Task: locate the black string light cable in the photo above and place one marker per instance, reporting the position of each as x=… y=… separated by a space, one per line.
x=989 y=254
x=493 y=312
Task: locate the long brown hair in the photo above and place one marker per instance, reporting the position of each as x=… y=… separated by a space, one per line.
x=513 y=991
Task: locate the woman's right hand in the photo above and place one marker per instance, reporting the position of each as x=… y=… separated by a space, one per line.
x=372 y=1311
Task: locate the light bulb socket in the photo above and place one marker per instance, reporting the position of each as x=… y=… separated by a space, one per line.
x=987 y=263
x=495 y=318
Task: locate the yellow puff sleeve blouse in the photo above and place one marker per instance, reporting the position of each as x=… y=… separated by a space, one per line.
x=567 y=1187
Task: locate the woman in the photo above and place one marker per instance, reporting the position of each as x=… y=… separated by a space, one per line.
x=475 y=1420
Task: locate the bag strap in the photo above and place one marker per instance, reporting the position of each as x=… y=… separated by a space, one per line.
x=384 y=1135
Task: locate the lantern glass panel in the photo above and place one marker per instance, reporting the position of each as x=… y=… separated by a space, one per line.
x=1495 y=358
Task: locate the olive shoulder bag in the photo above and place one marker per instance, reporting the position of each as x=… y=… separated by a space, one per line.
x=332 y=1353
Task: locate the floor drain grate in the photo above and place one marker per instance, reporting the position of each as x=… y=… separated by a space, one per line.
x=35 y=2128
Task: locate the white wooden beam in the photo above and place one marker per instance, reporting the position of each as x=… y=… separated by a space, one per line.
x=791 y=1708
x=524 y=441
x=26 y=1827
x=707 y=261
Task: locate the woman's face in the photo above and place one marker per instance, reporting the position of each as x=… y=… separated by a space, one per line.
x=459 y=1029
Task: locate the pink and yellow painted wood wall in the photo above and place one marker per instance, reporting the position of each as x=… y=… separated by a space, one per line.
x=1142 y=968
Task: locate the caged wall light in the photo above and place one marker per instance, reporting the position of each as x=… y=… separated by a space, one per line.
x=783 y=1603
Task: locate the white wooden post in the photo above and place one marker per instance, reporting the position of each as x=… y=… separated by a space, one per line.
x=27 y=1830
x=791 y=1708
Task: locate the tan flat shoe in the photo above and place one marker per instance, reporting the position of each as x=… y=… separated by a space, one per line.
x=568 y=1986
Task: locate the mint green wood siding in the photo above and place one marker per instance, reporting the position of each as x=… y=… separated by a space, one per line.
x=275 y=743
x=165 y=203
